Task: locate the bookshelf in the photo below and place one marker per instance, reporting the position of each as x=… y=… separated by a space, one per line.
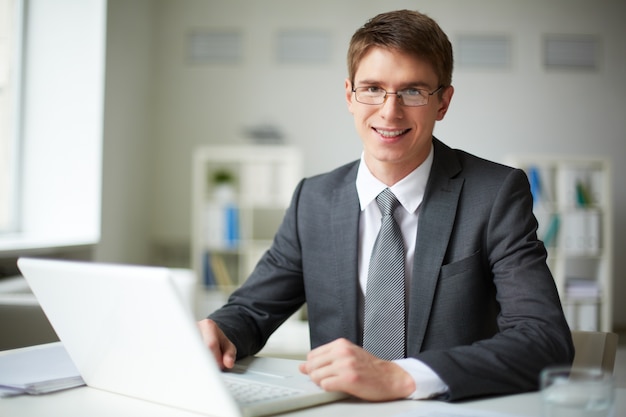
x=239 y=196
x=573 y=205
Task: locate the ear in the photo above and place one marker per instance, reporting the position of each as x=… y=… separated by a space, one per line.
x=349 y=95
x=444 y=102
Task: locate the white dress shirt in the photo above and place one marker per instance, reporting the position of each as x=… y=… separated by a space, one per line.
x=410 y=192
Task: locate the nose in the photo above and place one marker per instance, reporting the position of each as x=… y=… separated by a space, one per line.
x=392 y=107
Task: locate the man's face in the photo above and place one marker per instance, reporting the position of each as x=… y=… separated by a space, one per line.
x=396 y=138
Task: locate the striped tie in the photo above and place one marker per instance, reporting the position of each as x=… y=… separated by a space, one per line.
x=384 y=318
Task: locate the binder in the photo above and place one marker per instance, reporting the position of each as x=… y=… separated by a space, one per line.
x=37 y=370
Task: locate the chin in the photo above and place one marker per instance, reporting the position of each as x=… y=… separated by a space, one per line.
x=388 y=156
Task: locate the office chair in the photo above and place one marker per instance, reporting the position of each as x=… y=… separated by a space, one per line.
x=595 y=349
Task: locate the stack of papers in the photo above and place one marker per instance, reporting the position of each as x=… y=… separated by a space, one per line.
x=37 y=370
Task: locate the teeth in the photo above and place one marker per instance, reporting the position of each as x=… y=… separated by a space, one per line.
x=390 y=133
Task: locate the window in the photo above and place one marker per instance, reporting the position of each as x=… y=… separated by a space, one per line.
x=55 y=198
x=10 y=28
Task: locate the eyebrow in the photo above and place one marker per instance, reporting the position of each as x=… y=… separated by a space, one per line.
x=413 y=84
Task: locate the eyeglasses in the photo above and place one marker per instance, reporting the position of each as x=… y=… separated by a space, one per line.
x=411 y=97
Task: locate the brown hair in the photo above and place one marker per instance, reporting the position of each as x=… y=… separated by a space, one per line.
x=405 y=31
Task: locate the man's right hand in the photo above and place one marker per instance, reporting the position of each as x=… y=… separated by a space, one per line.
x=220 y=346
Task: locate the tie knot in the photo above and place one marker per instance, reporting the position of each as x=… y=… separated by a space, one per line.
x=387 y=202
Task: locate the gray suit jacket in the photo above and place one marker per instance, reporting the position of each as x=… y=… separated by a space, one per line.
x=483 y=311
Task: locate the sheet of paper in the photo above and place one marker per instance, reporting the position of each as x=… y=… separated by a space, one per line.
x=37 y=370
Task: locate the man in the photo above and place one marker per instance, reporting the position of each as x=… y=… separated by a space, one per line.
x=479 y=310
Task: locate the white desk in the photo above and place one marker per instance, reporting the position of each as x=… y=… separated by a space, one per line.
x=84 y=401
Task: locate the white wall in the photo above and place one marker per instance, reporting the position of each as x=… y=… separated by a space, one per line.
x=127 y=145
x=523 y=109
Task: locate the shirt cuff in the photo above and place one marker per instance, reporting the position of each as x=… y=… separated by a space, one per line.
x=427 y=382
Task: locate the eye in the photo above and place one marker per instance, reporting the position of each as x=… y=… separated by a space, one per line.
x=411 y=92
x=374 y=90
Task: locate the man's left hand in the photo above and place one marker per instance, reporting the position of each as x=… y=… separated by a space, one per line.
x=343 y=366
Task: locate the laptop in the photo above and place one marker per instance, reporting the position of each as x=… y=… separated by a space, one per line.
x=128 y=331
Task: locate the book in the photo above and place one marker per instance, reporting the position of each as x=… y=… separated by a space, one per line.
x=582 y=288
x=582 y=195
x=220 y=271
x=222 y=225
x=581 y=232
x=209 y=277
x=549 y=238
x=535 y=184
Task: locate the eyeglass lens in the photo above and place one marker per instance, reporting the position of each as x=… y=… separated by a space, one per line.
x=411 y=97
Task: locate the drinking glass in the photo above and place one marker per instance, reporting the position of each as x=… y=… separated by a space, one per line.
x=577 y=392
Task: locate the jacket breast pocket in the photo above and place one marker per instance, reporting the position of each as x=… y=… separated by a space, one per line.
x=464 y=307
x=470 y=265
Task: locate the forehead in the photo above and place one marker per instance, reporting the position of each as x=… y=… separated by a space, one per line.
x=393 y=67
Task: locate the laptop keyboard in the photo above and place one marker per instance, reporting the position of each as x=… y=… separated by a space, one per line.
x=248 y=392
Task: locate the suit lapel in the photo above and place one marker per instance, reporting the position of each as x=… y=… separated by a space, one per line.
x=436 y=220
x=345 y=214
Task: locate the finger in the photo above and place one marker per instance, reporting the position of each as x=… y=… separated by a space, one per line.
x=329 y=351
x=218 y=344
x=335 y=383
x=303 y=368
x=229 y=354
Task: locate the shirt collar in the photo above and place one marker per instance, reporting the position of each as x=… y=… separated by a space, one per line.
x=409 y=190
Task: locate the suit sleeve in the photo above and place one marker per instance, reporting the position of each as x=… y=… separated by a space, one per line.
x=531 y=330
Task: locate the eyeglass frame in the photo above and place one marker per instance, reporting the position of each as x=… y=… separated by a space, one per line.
x=398 y=94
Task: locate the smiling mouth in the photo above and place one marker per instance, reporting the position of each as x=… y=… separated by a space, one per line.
x=391 y=133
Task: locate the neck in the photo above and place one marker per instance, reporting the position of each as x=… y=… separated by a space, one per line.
x=390 y=173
